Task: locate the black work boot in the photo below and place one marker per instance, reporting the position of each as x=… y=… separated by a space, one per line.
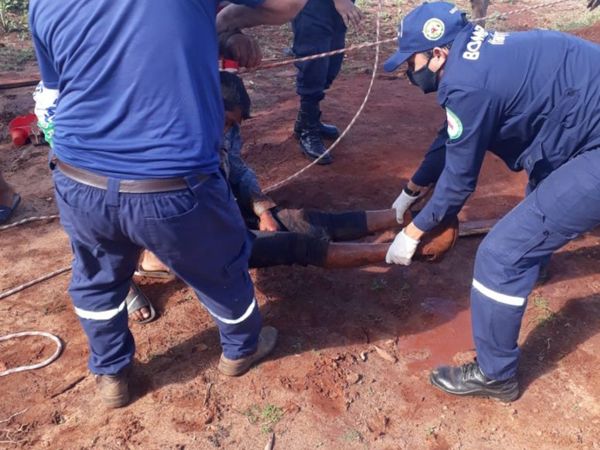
x=326 y=130
x=468 y=379
x=307 y=131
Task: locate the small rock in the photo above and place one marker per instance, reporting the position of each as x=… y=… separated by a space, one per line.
x=363 y=356
x=353 y=378
x=200 y=347
x=385 y=355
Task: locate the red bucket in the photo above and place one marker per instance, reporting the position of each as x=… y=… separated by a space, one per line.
x=20 y=128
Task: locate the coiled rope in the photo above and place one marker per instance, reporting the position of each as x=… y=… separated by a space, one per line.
x=46 y=362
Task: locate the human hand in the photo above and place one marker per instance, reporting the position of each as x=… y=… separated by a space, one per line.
x=402 y=250
x=241 y=48
x=350 y=13
x=401 y=205
x=266 y=222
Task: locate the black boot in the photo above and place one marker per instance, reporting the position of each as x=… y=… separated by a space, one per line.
x=307 y=131
x=468 y=379
x=326 y=130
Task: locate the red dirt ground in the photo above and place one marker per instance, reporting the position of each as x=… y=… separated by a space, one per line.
x=326 y=385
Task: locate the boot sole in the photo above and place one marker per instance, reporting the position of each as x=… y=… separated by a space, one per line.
x=324 y=136
x=320 y=162
x=115 y=402
x=503 y=397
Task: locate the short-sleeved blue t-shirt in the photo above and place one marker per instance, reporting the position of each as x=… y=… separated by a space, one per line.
x=138 y=81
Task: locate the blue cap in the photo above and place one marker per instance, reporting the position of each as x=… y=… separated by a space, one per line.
x=425 y=27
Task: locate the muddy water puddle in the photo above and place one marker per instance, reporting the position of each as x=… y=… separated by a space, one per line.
x=438 y=330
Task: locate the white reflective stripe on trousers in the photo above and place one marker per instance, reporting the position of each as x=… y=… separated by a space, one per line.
x=100 y=315
x=244 y=316
x=497 y=296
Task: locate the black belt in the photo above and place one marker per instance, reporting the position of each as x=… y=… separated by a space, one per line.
x=128 y=186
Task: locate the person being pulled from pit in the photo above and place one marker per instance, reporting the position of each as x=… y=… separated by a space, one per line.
x=288 y=236
x=532 y=99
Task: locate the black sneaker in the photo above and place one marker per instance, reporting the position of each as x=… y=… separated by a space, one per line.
x=468 y=379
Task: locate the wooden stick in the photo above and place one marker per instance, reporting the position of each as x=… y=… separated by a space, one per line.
x=476 y=227
x=19 y=84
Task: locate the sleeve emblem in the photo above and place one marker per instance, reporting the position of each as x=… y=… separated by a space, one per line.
x=455 y=126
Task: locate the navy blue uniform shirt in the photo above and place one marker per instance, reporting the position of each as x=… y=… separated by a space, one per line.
x=532 y=98
x=138 y=81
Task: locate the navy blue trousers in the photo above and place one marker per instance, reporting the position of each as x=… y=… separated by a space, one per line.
x=317 y=28
x=560 y=208
x=197 y=232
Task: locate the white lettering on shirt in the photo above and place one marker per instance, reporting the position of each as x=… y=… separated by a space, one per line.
x=474 y=45
x=498 y=38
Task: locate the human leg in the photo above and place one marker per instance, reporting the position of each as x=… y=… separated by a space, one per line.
x=564 y=205
x=289 y=248
x=199 y=234
x=104 y=261
x=313 y=31
x=338 y=41
x=9 y=200
x=337 y=226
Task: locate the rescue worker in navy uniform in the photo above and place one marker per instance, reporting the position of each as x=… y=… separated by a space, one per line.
x=320 y=27
x=133 y=111
x=532 y=99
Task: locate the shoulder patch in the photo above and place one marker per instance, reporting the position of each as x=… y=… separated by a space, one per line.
x=455 y=126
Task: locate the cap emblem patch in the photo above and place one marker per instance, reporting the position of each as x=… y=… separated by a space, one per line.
x=433 y=29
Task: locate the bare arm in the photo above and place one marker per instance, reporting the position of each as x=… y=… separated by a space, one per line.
x=270 y=12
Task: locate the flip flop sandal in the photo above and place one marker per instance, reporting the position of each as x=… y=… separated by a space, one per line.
x=6 y=211
x=162 y=274
x=136 y=300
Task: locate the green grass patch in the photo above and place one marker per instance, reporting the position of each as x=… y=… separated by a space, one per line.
x=352 y=436
x=13 y=15
x=267 y=417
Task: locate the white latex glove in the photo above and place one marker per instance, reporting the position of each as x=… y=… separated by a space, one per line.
x=401 y=205
x=402 y=250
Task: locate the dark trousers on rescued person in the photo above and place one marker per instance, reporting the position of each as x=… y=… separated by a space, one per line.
x=197 y=232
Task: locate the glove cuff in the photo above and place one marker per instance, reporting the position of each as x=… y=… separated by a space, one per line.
x=413 y=241
x=405 y=200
